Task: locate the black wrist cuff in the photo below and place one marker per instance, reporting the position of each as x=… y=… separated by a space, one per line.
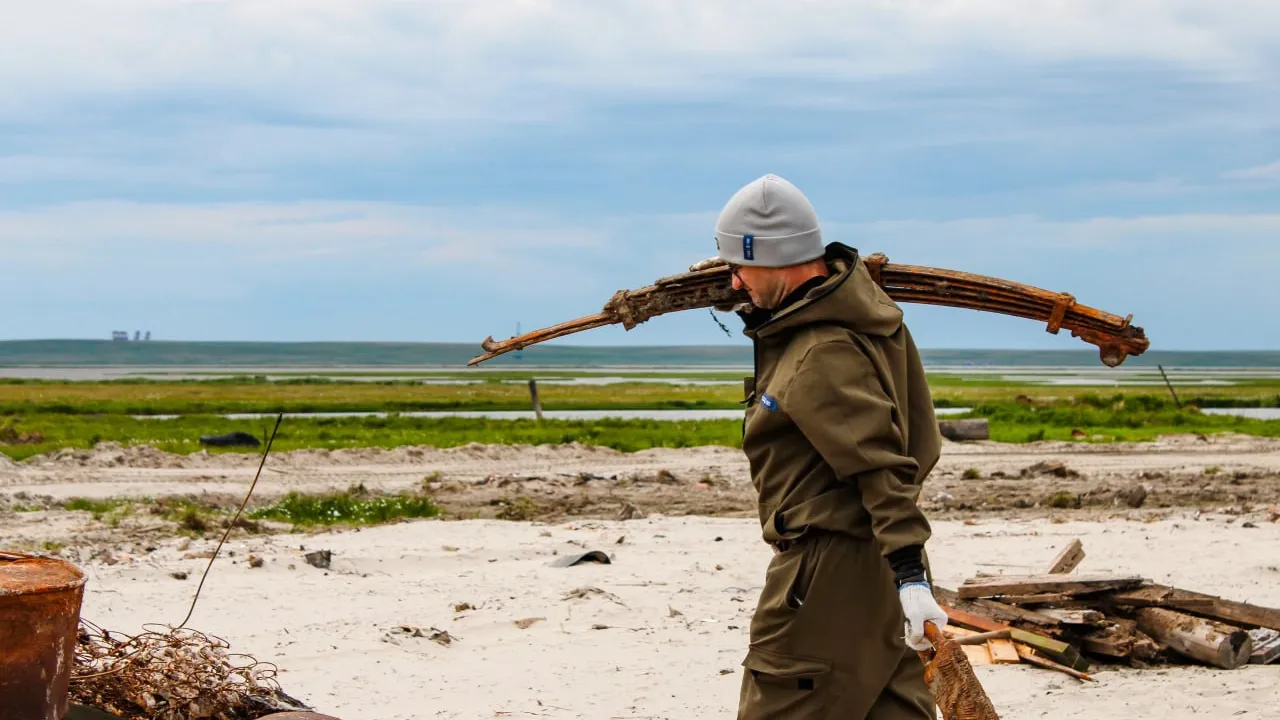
x=907 y=564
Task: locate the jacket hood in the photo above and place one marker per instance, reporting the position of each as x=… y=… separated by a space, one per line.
x=849 y=298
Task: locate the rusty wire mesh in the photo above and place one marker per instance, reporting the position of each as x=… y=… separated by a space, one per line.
x=956 y=690
x=167 y=673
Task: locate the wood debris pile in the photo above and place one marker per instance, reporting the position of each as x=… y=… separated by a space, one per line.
x=1069 y=621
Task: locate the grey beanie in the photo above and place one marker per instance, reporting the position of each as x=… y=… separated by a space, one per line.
x=769 y=223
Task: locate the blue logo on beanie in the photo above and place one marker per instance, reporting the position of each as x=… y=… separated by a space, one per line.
x=748 y=249
x=769 y=402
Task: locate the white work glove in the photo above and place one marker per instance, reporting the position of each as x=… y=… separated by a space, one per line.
x=918 y=606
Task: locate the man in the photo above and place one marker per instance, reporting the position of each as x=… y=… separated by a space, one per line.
x=839 y=434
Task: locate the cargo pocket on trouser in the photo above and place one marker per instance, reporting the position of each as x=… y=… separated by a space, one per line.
x=776 y=686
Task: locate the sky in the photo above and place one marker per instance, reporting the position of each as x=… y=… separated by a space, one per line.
x=444 y=171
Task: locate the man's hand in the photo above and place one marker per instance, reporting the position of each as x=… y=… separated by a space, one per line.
x=918 y=606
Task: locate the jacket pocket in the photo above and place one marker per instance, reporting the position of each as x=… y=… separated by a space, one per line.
x=783 y=686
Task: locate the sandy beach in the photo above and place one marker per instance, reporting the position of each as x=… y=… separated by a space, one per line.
x=658 y=633
x=469 y=618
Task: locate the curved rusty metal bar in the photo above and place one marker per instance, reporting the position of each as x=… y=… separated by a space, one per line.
x=709 y=284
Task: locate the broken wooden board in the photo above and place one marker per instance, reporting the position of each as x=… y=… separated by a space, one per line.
x=1056 y=649
x=1032 y=657
x=1080 y=616
x=1068 y=585
x=977 y=654
x=973 y=620
x=1121 y=639
x=999 y=612
x=1235 y=613
x=1110 y=642
x=1003 y=652
x=1068 y=559
x=980 y=638
x=1266 y=646
x=1054 y=599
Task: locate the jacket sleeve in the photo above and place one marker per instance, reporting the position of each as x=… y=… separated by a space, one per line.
x=837 y=400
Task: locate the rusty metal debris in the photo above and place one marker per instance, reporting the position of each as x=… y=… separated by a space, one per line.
x=708 y=284
x=709 y=287
x=40 y=600
x=169 y=673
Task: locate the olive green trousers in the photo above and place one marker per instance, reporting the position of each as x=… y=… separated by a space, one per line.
x=826 y=639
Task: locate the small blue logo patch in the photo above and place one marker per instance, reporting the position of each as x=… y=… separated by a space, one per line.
x=769 y=402
x=748 y=247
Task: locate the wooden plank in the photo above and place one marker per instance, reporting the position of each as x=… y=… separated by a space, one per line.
x=1243 y=615
x=1075 y=617
x=1080 y=602
x=1030 y=656
x=1112 y=642
x=1120 y=639
x=1056 y=649
x=1266 y=647
x=978 y=638
x=1068 y=559
x=1196 y=638
x=1003 y=652
x=973 y=620
x=999 y=612
x=977 y=654
x=1037 y=584
x=1039 y=599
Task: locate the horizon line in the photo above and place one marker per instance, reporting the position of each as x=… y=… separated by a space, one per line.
x=454 y=343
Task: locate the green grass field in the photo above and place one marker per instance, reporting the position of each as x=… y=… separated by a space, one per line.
x=243 y=395
x=55 y=431
x=44 y=416
x=232 y=396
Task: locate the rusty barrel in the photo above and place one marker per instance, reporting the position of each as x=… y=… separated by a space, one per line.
x=40 y=601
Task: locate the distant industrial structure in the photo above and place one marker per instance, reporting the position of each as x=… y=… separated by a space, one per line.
x=123 y=336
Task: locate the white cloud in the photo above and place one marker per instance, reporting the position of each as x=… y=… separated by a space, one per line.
x=1136 y=189
x=1268 y=173
x=348 y=225
x=531 y=59
x=1029 y=236
x=427 y=236
x=1189 y=279
x=246 y=242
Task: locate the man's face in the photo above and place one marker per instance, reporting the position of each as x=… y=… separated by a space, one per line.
x=763 y=284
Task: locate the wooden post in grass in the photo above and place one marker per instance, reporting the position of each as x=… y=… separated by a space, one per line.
x=1170 y=386
x=537 y=404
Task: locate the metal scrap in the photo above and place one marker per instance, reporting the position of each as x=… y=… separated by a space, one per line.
x=709 y=284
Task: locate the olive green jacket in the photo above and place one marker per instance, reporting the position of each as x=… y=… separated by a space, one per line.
x=839 y=430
